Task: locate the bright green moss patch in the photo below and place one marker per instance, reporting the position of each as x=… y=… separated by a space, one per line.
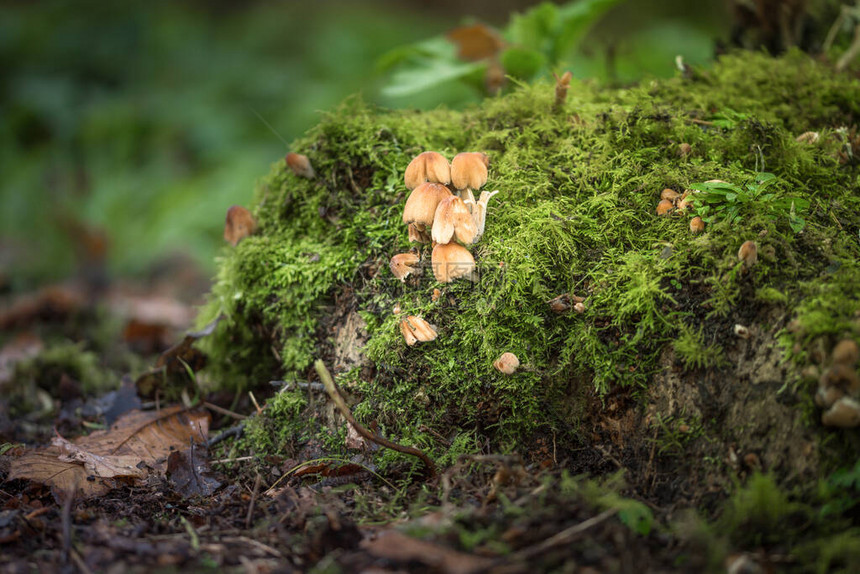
x=575 y=213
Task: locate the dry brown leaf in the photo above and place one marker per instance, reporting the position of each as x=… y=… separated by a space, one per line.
x=146 y=437
x=476 y=42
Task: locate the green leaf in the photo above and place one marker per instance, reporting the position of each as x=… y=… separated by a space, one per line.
x=523 y=63
x=430 y=74
x=637 y=517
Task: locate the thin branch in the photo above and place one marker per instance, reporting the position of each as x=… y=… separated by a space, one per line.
x=332 y=391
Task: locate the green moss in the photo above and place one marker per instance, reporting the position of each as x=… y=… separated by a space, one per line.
x=576 y=213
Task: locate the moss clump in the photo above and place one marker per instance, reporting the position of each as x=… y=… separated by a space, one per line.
x=575 y=214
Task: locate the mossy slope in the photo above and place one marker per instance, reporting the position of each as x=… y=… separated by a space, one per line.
x=575 y=213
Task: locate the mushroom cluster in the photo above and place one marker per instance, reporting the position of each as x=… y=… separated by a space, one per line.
x=442 y=210
x=673 y=202
x=839 y=387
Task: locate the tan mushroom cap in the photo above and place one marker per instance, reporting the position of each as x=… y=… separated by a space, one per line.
x=748 y=253
x=415 y=329
x=469 y=170
x=845 y=413
x=669 y=194
x=507 y=363
x=427 y=166
x=422 y=203
x=301 y=165
x=664 y=207
x=451 y=261
x=697 y=225
x=418 y=233
x=238 y=225
x=452 y=219
x=846 y=352
x=402 y=265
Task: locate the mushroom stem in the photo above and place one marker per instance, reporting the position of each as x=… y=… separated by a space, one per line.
x=468 y=198
x=479 y=211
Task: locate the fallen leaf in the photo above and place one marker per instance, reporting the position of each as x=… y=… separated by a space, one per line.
x=189 y=472
x=173 y=364
x=146 y=437
x=405 y=550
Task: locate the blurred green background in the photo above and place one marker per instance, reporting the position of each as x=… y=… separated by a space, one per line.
x=130 y=127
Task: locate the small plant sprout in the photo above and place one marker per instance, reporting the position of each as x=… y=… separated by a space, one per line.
x=301 y=165
x=452 y=219
x=469 y=172
x=507 y=363
x=403 y=264
x=429 y=166
x=415 y=330
x=697 y=225
x=422 y=203
x=451 y=261
x=748 y=253
x=238 y=225
x=562 y=83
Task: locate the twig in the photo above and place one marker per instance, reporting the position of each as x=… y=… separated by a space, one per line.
x=79 y=562
x=237 y=459
x=223 y=411
x=254 y=494
x=236 y=431
x=254 y=400
x=333 y=393
x=564 y=537
x=298 y=384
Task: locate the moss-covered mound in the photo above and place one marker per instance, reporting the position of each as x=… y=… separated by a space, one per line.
x=654 y=355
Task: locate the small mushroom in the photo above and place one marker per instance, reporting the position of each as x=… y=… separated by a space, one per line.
x=418 y=233
x=842 y=376
x=428 y=166
x=469 y=172
x=807 y=137
x=664 y=207
x=579 y=307
x=452 y=219
x=697 y=225
x=563 y=302
x=451 y=261
x=669 y=194
x=422 y=203
x=479 y=212
x=742 y=331
x=685 y=200
x=436 y=294
x=301 y=165
x=507 y=363
x=825 y=396
x=238 y=225
x=415 y=329
x=684 y=149
x=402 y=265
x=748 y=253
x=846 y=352
x=845 y=413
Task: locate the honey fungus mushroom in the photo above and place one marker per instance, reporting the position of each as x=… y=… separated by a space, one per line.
x=428 y=166
x=451 y=261
x=422 y=203
x=301 y=165
x=238 y=225
x=453 y=220
x=415 y=329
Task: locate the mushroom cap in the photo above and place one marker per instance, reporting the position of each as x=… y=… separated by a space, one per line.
x=402 y=265
x=845 y=413
x=418 y=233
x=748 y=253
x=427 y=166
x=469 y=170
x=238 y=225
x=664 y=207
x=507 y=363
x=452 y=219
x=697 y=225
x=669 y=194
x=415 y=329
x=421 y=205
x=450 y=261
x=846 y=352
x=301 y=165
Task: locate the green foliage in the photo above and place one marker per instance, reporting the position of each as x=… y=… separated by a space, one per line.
x=605 y=495
x=538 y=42
x=726 y=201
x=691 y=348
